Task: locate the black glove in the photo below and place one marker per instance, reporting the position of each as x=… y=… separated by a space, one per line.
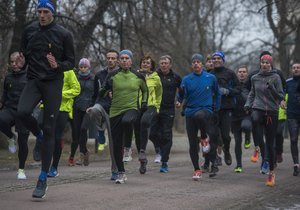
x=144 y=106
x=247 y=109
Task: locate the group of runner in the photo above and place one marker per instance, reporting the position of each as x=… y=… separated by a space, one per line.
x=214 y=99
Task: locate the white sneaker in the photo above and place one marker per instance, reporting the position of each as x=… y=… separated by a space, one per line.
x=122 y=178
x=21 y=174
x=127 y=154
x=157 y=158
x=12 y=144
x=205 y=145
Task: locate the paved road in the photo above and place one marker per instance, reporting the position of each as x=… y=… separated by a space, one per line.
x=90 y=188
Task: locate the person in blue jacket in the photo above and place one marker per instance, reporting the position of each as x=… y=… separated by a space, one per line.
x=200 y=91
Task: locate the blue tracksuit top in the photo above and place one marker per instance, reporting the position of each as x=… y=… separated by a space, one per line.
x=293 y=107
x=199 y=91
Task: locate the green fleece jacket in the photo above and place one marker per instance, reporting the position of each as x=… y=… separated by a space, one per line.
x=125 y=85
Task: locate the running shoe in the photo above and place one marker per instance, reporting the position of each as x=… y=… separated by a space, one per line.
x=101 y=147
x=219 y=150
x=157 y=158
x=265 y=167
x=164 y=167
x=80 y=161
x=238 y=169
x=21 y=174
x=255 y=156
x=40 y=189
x=197 y=175
x=52 y=172
x=270 y=180
x=86 y=157
x=204 y=168
x=143 y=165
x=218 y=161
x=12 y=144
x=143 y=162
x=296 y=171
x=214 y=170
x=127 y=154
x=71 y=162
x=205 y=145
x=247 y=144
x=227 y=158
x=279 y=158
x=37 y=151
x=114 y=176
x=122 y=178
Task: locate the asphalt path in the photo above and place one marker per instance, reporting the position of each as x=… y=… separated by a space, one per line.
x=90 y=187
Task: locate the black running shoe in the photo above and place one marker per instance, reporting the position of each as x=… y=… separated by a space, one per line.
x=143 y=168
x=296 y=171
x=218 y=161
x=227 y=158
x=37 y=151
x=40 y=189
x=214 y=171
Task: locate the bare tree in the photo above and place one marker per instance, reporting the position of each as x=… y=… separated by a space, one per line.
x=283 y=18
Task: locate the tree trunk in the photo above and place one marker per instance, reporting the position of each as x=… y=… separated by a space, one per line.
x=87 y=31
x=296 y=55
x=20 y=11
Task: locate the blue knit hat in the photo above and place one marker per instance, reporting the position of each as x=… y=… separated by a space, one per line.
x=219 y=53
x=46 y=4
x=198 y=57
x=126 y=52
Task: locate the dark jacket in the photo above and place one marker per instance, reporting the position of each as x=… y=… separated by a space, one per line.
x=248 y=83
x=227 y=79
x=84 y=99
x=170 y=83
x=14 y=83
x=238 y=111
x=38 y=41
x=99 y=81
x=293 y=106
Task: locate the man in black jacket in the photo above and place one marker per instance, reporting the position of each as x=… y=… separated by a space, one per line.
x=161 y=131
x=46 y=51
x=112 y=57
x=229 y=86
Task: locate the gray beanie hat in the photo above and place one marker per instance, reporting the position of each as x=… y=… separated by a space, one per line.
x=127 y=52
x=197 y=56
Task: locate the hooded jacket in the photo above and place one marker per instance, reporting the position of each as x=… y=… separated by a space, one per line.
x=266 y=92
x=154 y=88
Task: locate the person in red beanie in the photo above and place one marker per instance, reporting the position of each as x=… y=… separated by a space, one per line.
x=263 y=101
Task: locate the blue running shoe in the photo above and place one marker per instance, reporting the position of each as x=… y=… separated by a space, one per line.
x=114 y=176
x=164 y=167
x=53 y=172
x=265 y=167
